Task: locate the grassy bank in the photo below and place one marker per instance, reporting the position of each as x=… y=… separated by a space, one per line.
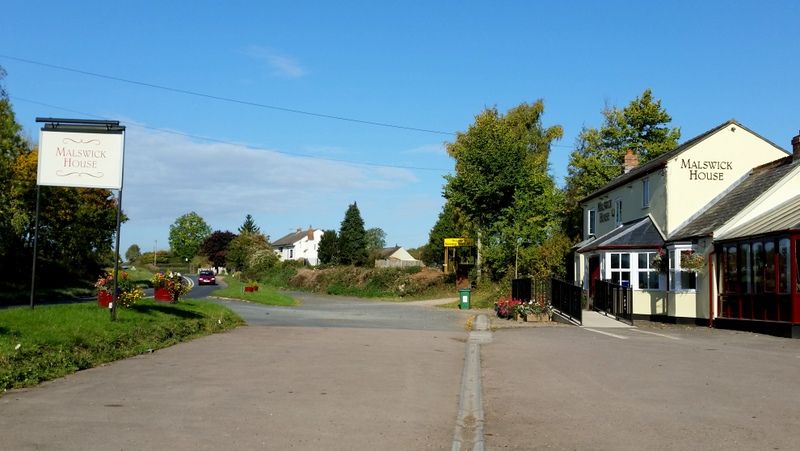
x=264 y=295
x=52 y=341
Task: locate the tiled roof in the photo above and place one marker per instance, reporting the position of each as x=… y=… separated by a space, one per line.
x=292 y=238
x=388 y=251
x=641 y=233
x=660 y=161
x=735 y=199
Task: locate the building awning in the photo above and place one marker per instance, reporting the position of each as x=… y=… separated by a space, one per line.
x=641 y=233
x=785 y=216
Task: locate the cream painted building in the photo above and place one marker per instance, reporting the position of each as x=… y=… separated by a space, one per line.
x=642 y=228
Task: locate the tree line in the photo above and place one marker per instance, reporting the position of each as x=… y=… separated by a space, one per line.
x=503 y=195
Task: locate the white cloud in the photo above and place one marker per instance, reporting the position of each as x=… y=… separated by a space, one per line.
x=167 y=175
x=280 y=65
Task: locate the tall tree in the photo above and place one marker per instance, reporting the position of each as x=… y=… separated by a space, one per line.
x=642 y=126
x=450 y=224
x=249 y=225
x=494 y=159
x=352 y=238
x=245 y=248
x=186 y=235
x=328 y=251
x=76 y=225
x=13 y=212
x=215 y=247
x=133 y=253
x=375 y=238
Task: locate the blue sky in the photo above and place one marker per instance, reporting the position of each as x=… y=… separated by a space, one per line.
x=425 y=65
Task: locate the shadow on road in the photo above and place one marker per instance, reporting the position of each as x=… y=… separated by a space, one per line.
x=167 y=309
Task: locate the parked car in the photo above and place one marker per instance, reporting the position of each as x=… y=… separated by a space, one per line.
x=206 y=278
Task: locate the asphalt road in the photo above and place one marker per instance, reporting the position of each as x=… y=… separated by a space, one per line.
x=652 y=387
x=342 y=373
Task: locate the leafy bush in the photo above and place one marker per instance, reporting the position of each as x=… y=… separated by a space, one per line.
x=367 y=282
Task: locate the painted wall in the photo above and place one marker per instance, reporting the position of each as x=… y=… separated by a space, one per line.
x=649 y=302
x=304 y=248
x=705 y=170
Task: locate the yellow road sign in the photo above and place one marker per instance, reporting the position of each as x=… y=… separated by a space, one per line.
x=457 y=242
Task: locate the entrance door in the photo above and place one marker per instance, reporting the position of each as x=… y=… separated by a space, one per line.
x=594 y=273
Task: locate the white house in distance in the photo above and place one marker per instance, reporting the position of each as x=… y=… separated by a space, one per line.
x=396 y=257
x=728 y=198
x=301 y=245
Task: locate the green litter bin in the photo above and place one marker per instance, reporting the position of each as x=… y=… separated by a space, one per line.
x=463 y=296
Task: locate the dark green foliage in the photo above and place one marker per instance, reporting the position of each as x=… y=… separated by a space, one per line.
x=501 y=183
x=352 y=238
x=368 y=282
x=642 y=126
x=215 y=247
x=328 y=251
x=450 y=224
x=249 y=225
x=251 y=254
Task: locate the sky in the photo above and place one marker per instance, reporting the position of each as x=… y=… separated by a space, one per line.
x=291 y=111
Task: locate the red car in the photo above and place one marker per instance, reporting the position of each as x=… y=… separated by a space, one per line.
x=206 y=278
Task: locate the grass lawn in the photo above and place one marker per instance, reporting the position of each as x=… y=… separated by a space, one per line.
x=55 y=340
x=264 y=295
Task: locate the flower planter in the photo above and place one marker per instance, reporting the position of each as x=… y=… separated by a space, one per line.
x=104 y=299
x=162 y=294
x=250 y=289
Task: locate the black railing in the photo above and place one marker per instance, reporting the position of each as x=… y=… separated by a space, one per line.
x=521 y=289
x=614 y=299
x=566 y=298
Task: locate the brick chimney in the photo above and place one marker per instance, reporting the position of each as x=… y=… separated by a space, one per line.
x=310 y=234
x=796 y=147
x=630 y=162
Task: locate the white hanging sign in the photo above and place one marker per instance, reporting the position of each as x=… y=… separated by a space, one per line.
x=81 y=160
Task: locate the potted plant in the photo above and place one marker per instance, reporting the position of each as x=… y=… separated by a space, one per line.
x=506 y=307
x=128 y=293
x=169 y=287
x=251 y=287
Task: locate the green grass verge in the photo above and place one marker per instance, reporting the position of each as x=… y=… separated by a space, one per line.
x=140 y=276
x=52 y=341
x=264 y=295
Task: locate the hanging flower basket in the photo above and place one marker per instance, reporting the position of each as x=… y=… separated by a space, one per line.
x=660 y=262
x=692 y=261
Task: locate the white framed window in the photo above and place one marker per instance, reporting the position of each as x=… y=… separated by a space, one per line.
x=591 y=221
x=645 y=192
x=681 y=279
x=647 y=271
x=619 y=268
x=618 y=211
